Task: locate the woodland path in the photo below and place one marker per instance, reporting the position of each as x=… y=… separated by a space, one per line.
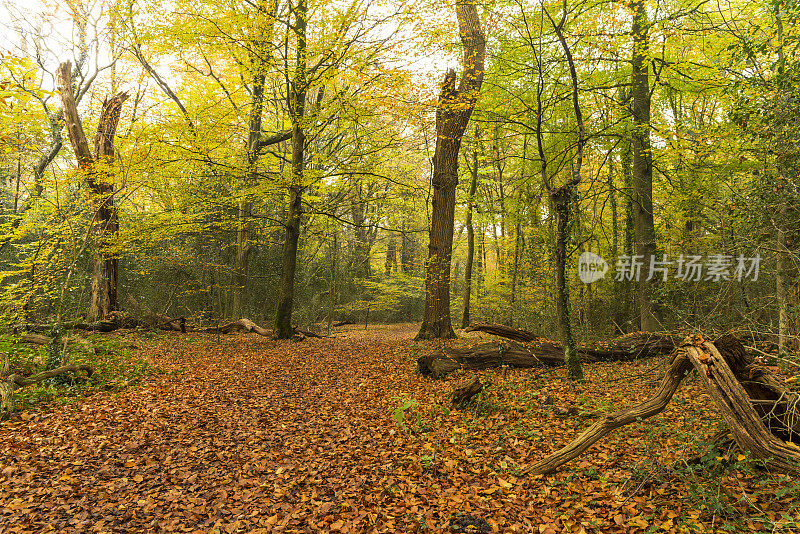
x=246 y=434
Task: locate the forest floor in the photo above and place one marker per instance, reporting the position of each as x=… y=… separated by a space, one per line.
x=241 y=433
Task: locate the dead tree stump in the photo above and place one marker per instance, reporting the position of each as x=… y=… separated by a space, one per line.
x=464 y=392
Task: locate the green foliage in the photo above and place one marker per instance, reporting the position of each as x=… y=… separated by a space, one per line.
x=114 y=366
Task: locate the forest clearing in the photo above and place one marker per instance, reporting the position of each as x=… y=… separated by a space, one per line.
x=240 y=433
x=400 y=266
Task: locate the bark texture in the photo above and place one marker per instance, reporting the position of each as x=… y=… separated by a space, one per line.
x=283 y=313
x=454 y=109
x=536 y=351
x=644 y=227
x=99 y=178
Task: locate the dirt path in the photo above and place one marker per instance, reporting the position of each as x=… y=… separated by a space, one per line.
x=254 y=434
x=251 y=435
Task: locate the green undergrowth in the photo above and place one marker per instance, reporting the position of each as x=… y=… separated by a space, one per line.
x=113 y=360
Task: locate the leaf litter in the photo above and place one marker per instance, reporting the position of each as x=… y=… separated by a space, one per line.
x=246 y=434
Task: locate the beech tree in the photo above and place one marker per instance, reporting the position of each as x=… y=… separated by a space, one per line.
x=98 y=171
x=453 y=111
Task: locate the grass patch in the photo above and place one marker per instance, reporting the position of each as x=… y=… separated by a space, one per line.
x=114 y=364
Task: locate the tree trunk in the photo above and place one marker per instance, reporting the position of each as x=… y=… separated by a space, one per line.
x=242 y=262
x=391 y=256
x=335 y=258
x=283 y=314
x=642 y=161
x=259 y=64
x=473 y=185
x=99 y=177
x=454 y=109
x=626 y=162
x=562 y=198
x=407 y=247
x=514 y=270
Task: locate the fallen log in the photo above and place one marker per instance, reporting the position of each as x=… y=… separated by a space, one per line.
x=501 y=330
x=465 y=391
x=633 y=346
x=542 y=352
x=624 y=348
x=491 y=355
x=246 y=325
x=177 y=324
x=307 y=333
x=767 y=427
x=242 y=325
x=10 y=382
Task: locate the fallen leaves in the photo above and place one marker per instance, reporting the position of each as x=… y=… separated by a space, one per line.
x=244 y=434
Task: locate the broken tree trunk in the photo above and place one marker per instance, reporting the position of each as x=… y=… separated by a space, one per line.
x=491 y=355
x=632 y=346
x=727 y=379
x=541 y=352
x=246 y=325
x=628 y=347
x=466 y=390
x=516 y=334
x=9 y=382
x=98 y=171
x=242 y=325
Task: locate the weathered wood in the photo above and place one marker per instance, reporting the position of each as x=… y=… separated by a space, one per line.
x=9 y=382
x=466 y=390
x=624 y=348
x=516 y=334
x=733 y=402
x=242 y=325
x=677 y=370
x=727 y=379
x=491 y=355
x=633 y=346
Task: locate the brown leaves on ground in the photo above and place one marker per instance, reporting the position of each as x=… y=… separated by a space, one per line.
x=245 y=434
